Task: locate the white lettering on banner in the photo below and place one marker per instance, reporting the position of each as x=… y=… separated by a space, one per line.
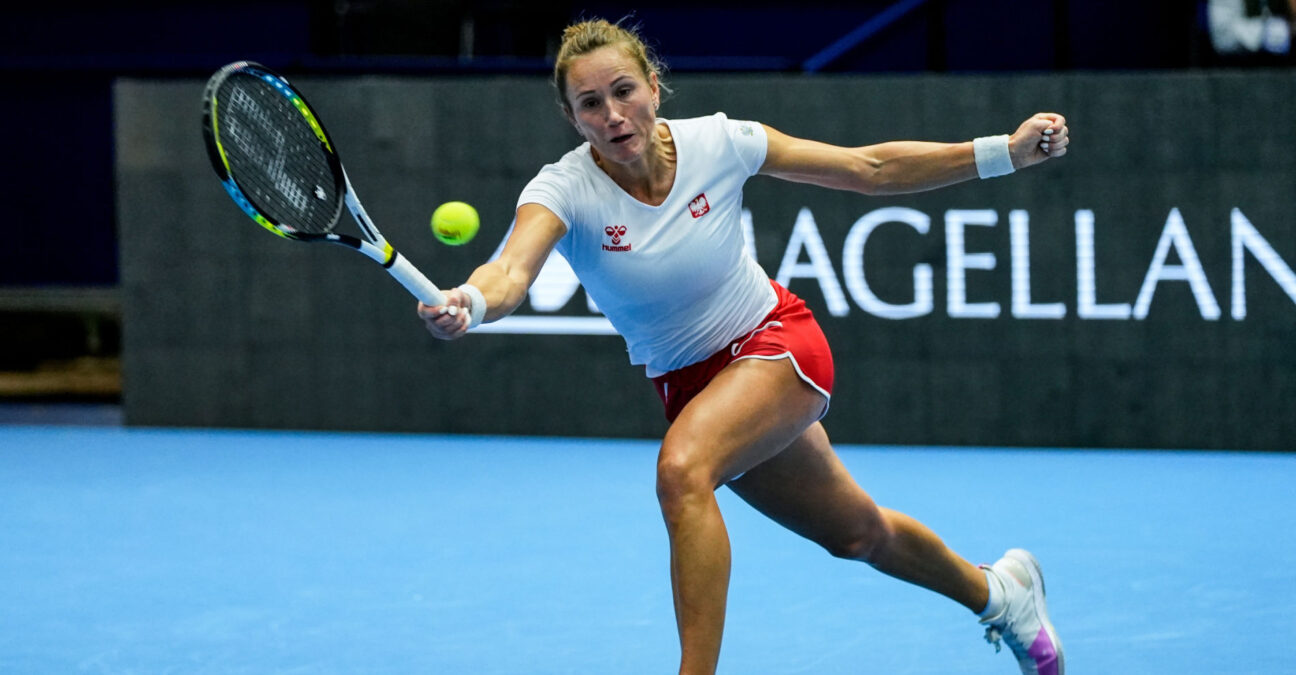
x=1245 y=237
x=1087 y=306
x=749 y=233
x=1022 y=307
x=805 y=235
x=853 y=265
x=553 y=288
x=1175 y=234
x=557 y=283
x=958 y=261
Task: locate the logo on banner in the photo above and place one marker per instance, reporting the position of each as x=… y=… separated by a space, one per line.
x=699 y=206
x=1244 y=254
x=614 y=233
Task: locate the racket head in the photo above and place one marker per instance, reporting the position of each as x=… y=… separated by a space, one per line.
x=272 y=153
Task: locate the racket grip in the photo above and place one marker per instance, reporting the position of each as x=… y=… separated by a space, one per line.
x=414 y=281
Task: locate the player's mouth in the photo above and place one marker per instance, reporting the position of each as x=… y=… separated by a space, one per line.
x=622 y=138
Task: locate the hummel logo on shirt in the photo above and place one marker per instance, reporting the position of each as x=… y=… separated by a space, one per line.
x=615 y=232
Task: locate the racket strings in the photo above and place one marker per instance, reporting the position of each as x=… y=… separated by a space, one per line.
x=276 y=157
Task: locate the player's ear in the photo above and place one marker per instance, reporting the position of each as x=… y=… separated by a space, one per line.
x=571 y=119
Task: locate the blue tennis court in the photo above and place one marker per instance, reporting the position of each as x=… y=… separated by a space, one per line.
x=200 y=551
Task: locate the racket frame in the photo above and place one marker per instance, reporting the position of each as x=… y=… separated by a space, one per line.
x=372 y=243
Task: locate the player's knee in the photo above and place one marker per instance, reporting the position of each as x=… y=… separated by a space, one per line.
x=679 y=476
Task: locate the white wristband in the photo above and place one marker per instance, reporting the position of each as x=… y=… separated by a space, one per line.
x=477 y=305
x=992 y=156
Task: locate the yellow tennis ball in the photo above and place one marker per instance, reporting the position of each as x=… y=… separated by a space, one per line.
x=455 y=223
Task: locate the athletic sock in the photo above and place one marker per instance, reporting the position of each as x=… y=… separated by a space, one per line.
x=998 y=595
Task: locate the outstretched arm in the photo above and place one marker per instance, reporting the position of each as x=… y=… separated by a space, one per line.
x=503 y=282
x=900 y=167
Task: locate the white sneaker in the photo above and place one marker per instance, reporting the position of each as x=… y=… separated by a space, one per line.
x=1024 y=622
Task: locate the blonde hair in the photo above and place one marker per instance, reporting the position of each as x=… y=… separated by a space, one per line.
x=582 y=38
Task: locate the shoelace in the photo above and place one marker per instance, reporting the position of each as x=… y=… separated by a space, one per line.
x=993 y=635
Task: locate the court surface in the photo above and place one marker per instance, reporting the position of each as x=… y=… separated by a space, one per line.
x=200 y=551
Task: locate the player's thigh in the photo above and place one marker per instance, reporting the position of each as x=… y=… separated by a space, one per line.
x=808 y=490
x=748 y=413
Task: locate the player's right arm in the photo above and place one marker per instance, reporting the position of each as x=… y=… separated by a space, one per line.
x=504 y=281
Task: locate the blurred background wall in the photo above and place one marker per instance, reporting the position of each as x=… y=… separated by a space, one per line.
x=75 y=195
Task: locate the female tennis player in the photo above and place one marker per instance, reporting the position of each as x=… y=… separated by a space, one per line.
x=647 y=211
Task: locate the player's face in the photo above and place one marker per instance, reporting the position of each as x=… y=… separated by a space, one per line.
x=612 y=104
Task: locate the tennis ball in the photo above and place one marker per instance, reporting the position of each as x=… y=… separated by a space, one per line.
x=455 y=223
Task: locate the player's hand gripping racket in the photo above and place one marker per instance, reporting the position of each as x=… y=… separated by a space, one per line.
x=279 y=165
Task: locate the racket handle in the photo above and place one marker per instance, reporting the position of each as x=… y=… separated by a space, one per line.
x=414 y=281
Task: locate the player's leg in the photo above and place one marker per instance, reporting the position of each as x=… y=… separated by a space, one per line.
x=808 y=490
x=748 y=413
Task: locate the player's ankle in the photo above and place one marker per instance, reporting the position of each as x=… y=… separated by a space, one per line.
x=997 y=596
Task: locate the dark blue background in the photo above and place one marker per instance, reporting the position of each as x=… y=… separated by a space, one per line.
x=60 y=59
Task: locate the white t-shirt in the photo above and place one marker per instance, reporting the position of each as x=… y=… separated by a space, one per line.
x=675 y=279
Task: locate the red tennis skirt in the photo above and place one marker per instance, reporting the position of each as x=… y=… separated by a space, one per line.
x=789 y=331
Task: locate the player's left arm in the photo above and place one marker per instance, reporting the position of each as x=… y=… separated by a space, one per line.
x=899 y=167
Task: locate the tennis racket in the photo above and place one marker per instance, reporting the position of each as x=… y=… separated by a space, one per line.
x=280 y=166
